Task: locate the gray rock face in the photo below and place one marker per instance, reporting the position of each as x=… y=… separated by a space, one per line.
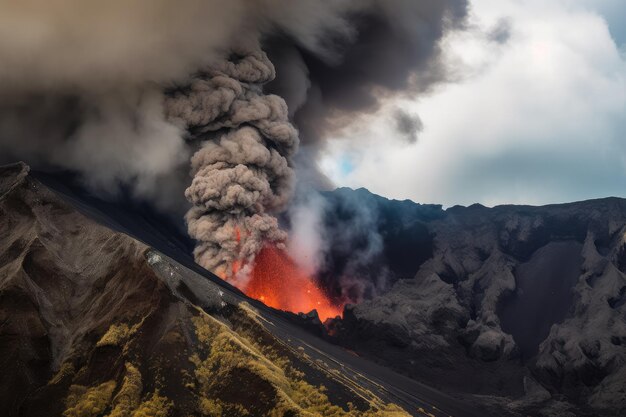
x=585 y=354
x=512 y=294
x=408 y=314
x=95 y=323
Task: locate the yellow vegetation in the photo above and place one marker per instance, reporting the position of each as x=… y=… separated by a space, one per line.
x=154 y=406
x=92 y=402
x=88 y=402
x=128 y=397
x=211 y=408
x=116 y=334
x=240 y=372
x=227 y=351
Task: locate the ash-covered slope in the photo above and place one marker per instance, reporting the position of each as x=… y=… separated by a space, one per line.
x=522 y=306
x=95 y=323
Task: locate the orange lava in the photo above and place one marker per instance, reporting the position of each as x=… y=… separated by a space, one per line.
x=278 y=282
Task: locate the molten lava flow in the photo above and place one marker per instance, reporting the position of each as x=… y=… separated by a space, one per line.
x=279 y=283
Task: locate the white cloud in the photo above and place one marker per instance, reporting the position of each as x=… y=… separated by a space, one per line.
x=542 y=119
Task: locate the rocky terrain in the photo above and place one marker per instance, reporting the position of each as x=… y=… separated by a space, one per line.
x=522 y=307
x=511 y=311
x=94 y=322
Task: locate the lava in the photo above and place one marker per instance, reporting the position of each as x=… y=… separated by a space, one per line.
x=277 y=281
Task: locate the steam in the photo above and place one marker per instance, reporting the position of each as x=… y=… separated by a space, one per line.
x=307 y=244
x=336 y=239
x=125 y=93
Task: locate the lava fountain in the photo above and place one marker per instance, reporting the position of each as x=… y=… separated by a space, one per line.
x=278 y=282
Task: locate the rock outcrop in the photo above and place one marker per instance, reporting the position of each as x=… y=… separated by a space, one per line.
x=522 y=306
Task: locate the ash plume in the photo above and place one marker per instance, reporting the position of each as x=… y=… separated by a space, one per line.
x=395 y=49
x=241 y=177
x=125 y=93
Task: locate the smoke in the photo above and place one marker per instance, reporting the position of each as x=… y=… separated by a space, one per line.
x=395 y=49
x=125 y=93
x=336 y=239
x=111 y=138
x=358 y=244
x=408 y=125
x=241 y=177
x=353 y=259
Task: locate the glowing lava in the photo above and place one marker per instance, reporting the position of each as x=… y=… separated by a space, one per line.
x=278 y=282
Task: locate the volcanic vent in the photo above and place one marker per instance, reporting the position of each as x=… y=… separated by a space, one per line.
x=278 y=282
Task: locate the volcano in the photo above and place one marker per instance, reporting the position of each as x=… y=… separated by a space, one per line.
x=97 y=323
x=505 y=311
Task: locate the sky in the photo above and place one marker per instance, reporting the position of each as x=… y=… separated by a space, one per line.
x=535 y=114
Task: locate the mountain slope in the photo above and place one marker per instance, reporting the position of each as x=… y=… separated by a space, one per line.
x=515 y=310
x=96 y=323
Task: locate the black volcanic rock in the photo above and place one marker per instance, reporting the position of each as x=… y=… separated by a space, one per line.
x=372 y=242
x=95 y=323
x=510 y=301
x=520 y=309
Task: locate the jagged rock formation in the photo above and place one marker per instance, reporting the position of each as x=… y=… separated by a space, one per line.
x=524 y=306
x=95 y=323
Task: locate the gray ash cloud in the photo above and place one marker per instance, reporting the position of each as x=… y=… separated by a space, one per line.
x=394 y=48
x=408 y=125
x=125 y=94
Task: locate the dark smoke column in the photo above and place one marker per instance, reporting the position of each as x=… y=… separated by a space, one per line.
x=242 y=174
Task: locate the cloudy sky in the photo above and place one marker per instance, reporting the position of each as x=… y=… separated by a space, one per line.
x=537 y=115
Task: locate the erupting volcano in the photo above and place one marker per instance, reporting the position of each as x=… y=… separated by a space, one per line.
x=278 y=282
